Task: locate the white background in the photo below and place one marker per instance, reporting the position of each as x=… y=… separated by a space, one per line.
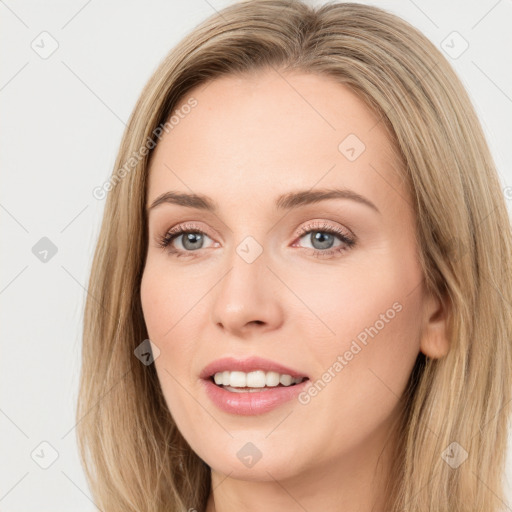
x=61 y=125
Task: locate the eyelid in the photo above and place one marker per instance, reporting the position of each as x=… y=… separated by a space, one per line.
x=318 y=224
x=189 y=226
x=322 y=224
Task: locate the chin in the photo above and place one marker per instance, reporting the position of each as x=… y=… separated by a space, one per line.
x=265 y=469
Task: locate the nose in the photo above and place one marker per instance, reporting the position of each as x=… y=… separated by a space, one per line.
x=248 y=299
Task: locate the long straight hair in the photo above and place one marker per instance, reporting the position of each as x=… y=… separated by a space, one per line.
x=457 y=406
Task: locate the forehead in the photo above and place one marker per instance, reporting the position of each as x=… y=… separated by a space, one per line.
x=284 y=130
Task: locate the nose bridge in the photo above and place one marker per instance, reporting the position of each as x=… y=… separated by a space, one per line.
x=246 y=294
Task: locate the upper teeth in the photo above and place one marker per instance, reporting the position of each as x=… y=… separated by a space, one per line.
x=256 y=379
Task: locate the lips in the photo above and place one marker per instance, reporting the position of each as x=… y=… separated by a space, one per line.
x=260 y=401
x=247 y=365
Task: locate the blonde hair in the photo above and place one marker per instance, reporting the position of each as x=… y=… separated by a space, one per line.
x=133 y=454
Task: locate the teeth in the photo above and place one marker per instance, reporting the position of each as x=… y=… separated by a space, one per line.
x=255 y=379
x=237 y=380
x=285 y=380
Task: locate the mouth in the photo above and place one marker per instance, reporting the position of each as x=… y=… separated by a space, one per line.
x=255 y=381
x=247 y=394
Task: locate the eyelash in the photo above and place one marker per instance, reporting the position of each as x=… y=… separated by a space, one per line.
x=165 y=241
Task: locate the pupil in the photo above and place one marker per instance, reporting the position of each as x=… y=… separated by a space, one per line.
x=319 y=236
x=192 y=238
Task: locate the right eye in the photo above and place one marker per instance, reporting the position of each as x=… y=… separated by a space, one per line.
x=191 y=239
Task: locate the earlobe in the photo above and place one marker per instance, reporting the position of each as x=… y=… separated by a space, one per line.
x=434 y=337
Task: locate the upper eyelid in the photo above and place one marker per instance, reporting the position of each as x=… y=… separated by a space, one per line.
x=327 y=225
x=318 y=224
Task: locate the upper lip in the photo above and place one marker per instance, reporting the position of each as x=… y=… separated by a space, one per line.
x=247 y=365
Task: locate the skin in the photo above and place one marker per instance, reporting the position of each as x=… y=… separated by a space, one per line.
x=246 y=142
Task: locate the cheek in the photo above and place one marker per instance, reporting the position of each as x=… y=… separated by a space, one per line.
x=167 y=298
x=363 y=372
x=370 y=318
x=362 y=303
x=157 y=306
x=170 y=310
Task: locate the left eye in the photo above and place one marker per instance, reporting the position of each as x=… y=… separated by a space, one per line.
x=322 y=236
x=321 y=240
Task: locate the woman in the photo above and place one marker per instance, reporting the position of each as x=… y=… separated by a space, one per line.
x=299 y=297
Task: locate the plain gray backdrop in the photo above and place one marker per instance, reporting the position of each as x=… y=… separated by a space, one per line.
x=70 y=76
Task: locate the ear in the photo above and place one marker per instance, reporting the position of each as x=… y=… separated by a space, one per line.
x=434 y=337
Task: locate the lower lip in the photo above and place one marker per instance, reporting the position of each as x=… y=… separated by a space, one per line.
x=251 y=403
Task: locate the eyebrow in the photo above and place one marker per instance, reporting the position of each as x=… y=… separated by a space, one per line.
x=287 y=201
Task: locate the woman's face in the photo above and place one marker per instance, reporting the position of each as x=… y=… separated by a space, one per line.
x=326 y=285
